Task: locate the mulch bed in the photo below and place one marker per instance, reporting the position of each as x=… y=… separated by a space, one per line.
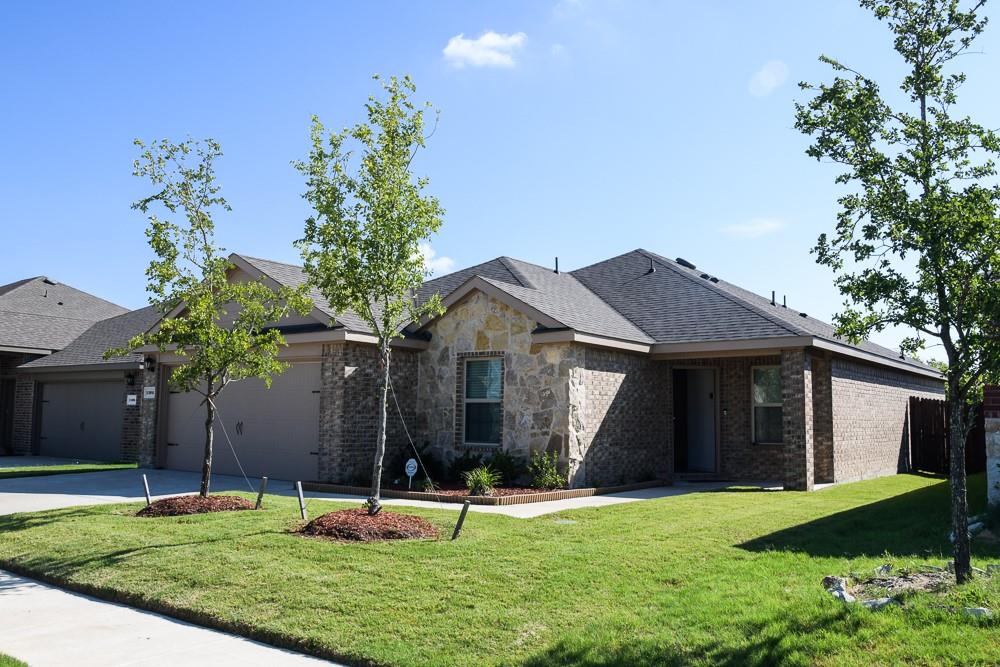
x=182 y=505
x=459 y=491
x=356 y=525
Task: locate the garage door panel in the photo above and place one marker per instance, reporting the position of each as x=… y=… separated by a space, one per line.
x=81 y=420
x=274 y=432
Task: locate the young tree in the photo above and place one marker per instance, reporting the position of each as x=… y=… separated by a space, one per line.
x=917 y=241
x=222 y=331
x=361 y=245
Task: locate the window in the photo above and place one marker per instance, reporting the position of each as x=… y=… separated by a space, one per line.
x=766 y=390
x=483 y=398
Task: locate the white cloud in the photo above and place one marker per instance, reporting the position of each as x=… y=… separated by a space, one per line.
x=768 y=78
x=754 y=228
x=434 y=263
x=491 y=49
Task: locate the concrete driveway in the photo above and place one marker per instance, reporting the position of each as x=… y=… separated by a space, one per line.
x=32 y=494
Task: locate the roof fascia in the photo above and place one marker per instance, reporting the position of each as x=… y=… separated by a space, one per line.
x=571 y=336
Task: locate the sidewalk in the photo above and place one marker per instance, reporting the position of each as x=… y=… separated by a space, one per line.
x=43 y=625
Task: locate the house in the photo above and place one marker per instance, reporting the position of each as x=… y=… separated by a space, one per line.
x=38 y=316
x=638 y=367
x=86 y=406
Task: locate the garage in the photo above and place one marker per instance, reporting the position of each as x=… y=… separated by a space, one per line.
x=274 y=432
x=81 y=420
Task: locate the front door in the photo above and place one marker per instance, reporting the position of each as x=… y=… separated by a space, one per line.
x=694 y=420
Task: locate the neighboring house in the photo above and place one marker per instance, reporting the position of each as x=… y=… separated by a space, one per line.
x=38 y=316
x=86 y=406
x=634 y=368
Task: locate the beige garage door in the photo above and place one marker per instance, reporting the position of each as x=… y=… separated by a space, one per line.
x=274 y=432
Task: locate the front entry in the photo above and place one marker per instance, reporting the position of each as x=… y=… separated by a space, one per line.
x=694 y=420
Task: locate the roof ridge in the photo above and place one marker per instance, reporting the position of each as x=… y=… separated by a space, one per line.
x=740 y=301
x=518 y=276
x=269 y=261
x=62 y=317
x=606 y=303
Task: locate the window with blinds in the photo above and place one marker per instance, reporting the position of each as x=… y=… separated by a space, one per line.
x=483 y=398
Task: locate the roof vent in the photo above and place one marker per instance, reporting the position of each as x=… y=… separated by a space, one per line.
x=652 y=268
x=684 y=262
x=557 y=265
x=803 y=315
x=48 y=281
x=705 y=276
x=714 y=279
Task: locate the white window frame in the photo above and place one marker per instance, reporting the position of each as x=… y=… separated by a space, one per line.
x=754 y=404
x=466 y=400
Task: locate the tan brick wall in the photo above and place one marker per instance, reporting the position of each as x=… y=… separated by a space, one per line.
x=25 y=422
x=870 y=423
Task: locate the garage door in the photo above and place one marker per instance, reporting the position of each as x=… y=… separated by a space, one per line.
x=274 y=432
x=81 y=420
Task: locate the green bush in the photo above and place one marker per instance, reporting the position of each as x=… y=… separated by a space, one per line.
x=480 y=481
x=545 y=471
x=511 y=468
x=469 y=460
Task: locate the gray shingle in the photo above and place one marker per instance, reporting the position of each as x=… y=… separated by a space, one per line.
x=42 y=314
x=89 y=348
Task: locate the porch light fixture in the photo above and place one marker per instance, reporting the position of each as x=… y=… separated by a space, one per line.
x=130 y=379
x=150 y=364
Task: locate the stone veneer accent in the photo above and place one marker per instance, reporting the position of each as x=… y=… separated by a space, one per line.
x=536 y=405
x=870 y=418
x=991 y=418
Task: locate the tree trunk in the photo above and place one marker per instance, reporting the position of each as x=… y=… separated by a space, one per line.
x=206 y=466
x=373 y=505
x=959 y=499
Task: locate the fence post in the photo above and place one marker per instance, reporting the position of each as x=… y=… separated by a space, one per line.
x=260 y=492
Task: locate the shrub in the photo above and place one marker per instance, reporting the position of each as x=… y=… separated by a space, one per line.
x=511 y=467
x=480 y=481
x=469 y=460
x=545 y=471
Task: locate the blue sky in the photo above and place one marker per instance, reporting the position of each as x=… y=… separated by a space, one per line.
x=579 y=129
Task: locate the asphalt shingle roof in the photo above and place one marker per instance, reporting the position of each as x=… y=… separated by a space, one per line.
x=620 y=298
x=39 y=313
x=89 y=348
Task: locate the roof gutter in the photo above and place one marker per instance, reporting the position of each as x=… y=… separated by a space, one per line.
x=110 y=366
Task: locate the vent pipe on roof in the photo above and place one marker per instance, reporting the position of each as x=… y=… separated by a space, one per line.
x=772 y=298
x=652 y=268
x=557 y=265
x=784 y=301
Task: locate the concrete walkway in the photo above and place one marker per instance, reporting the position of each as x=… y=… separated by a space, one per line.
x=43 y=625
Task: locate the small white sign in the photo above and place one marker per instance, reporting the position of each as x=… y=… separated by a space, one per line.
x=131 y=399
x=149 y=393
x=411 y=467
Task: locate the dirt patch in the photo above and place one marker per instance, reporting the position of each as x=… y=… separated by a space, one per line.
x=903 y=582
x=182 y=505
x=356 y=525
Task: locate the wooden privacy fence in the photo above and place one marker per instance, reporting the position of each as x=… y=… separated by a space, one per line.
x=929 y=438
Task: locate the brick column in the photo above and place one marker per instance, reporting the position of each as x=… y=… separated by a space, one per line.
x=331 y=412
x=24 y=416
x=822 y=391
x=797 y=413
x=991 y=415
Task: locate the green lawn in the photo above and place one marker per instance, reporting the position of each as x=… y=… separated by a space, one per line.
x=724 y=577
x=7 y=661
x=39 y=471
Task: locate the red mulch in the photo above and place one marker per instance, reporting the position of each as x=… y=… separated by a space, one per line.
x=497 y=490
x=357 y=526
x=181 y=505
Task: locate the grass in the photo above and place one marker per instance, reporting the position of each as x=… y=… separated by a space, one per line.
x=40 y=471
x=7 y=661
x=727 y=577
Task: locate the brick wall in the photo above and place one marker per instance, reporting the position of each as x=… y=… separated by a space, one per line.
x=25 y=421
x=991 y=415
x=349 y=399
x=870 y=425
x=132 y=418
x=624 y=435
x=797 y=419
